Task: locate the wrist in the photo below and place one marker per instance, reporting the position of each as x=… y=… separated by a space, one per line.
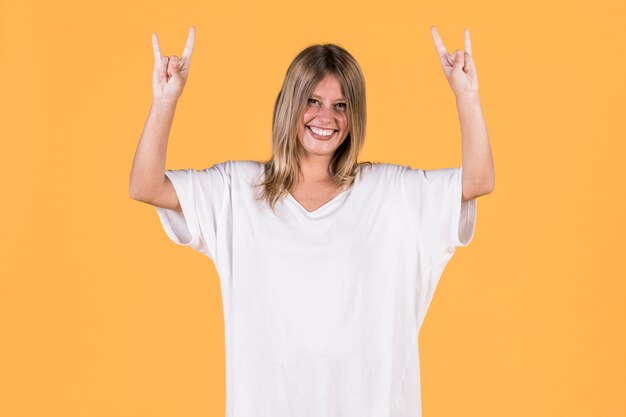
x=468 y=97
x=160 y=102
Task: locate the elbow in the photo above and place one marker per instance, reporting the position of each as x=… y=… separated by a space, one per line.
x=487 y=184
x=135 y=193
x=487 y=187
x=134 y=196
x=491 y=184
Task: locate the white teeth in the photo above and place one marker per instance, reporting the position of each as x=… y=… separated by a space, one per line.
x=321 y=132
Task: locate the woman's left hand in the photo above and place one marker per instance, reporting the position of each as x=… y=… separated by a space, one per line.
x=459 y=67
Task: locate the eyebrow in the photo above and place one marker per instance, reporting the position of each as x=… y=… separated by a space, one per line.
x=316 y=96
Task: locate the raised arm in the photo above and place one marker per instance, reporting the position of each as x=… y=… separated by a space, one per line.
x=148 y=182
x=460 y=71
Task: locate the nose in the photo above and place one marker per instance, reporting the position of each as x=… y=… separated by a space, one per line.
x=324 y=114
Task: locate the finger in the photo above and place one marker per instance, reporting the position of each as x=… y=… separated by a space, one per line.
x=459 y=59
x=441 y=48
x=191 y=39
x=164 y=63
x=468 y=42
x=174 y=68
x=174 y=64
x=155 y=48
x=471 y=67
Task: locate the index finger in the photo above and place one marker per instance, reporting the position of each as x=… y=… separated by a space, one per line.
x=441 y=49
x=156 y=49
x=468 y=42
x=191 y=39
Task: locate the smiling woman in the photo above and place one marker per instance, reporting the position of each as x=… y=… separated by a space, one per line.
x=318 y=127
x=328 y=271
x=322 y=120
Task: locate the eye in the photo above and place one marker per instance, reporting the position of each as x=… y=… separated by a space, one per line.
x=338 y=104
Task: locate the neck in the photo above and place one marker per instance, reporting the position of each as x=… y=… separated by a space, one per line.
x=314 y=168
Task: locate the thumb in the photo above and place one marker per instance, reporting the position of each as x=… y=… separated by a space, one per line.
x=173 y=68
x=459 y=60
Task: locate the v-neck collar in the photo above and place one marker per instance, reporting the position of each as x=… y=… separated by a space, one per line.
x=322 y=209
x=324 y=206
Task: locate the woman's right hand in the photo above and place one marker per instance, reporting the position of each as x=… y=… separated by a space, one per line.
x=170 y=73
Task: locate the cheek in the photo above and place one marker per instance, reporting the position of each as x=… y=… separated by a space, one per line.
x=308 y=114
x=344 y=123
x=301 y=132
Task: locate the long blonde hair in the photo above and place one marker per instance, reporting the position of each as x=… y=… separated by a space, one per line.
x=307 y=69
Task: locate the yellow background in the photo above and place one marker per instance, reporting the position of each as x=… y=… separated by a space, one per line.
x=102 y=315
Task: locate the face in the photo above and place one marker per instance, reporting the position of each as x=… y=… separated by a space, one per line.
x=326 y=109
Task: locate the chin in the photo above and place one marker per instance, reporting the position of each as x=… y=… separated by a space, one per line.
x=319 y=148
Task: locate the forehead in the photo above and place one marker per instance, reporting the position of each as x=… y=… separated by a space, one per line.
x=329 y=87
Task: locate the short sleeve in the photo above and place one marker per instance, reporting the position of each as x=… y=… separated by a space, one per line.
x=202 y=195
x=442 y=220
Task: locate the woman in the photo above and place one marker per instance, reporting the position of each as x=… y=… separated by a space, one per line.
x=327 y=266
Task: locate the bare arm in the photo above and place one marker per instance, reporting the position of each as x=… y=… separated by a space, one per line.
x=478 y=170
x=460 y=70
x=148 y=182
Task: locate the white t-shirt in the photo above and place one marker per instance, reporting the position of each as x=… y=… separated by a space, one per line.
x=322 y=309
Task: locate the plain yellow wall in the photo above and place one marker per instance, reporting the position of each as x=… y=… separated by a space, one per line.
x=102 y=315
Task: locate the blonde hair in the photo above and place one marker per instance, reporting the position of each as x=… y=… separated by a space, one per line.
x=307 y=69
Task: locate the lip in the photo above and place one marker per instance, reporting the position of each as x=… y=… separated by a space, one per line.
x=318 y=137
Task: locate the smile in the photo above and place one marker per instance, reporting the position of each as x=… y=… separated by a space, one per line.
x=321 y=134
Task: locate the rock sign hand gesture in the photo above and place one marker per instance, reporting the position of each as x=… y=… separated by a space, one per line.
x=459 y=68
x=170 y=74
